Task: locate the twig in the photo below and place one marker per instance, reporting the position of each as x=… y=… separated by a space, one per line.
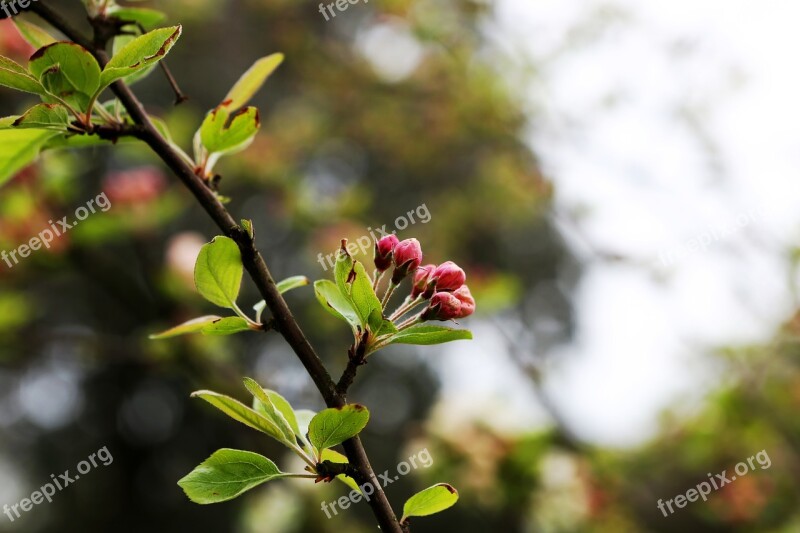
x=285 y=322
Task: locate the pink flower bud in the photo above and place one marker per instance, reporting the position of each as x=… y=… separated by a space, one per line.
x=422 y=280
x=407 y=258
x=450 y=305
x=449 y=277
x=383 y=252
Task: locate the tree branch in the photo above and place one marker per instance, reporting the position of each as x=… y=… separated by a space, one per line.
x=285 y=322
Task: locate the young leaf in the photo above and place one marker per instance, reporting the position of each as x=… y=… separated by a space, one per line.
x=424 y=334
x=35 y=35
x=44 y=117
x=335 y=302
x=241 y=413
x=364 y=299
x=19 y=149
x=334 y=426
x=268 y=409
x=283 y=406
x=192 y=326
x=226 y=326
x=78 y=69
x=336 y=457
x=227 y=474
x=220 y=137
x=292 y=283
x=120 y=41
x=251 y=81
x=304 y=418
x=15 y=76
x=145 y=17
x=430 y=501
x=139 y=54
x=218 y=272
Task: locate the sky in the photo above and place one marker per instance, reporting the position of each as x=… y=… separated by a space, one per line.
x=671 y=132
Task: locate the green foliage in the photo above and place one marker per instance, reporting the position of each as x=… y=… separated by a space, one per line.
x=334 y=426
x=430 y=501
x=218 y=272
x=139 y=54
x=424 y=334
x=228 y=474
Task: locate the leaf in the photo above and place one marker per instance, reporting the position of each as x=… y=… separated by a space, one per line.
x=192 y=326
x=241 y=413
x=430 y=501
x=426 y=335
x=292 y=283
x=380 y=325
x=251 y=81
x=304 y=417
x=45 y=117
x=336 y=457
x=226 y=326
x=218 y=272
x=283 y=406
x=18 y=149
x=35 y=35
x=221 y=137
x=268 y=409
x=342 y=270
x=334 y=426
x=120 y=41
x=227 y=474
x=139 y=54
x=143 y=16
x=364 y=299
x=15 y=76
x=335 y=302
x=78 y=69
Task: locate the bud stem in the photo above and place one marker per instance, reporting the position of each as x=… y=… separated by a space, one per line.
x=407 y=306
x=377 y=277
x=416 y=319
x=389 y=290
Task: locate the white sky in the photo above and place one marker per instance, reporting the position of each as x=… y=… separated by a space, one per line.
x=612 y=133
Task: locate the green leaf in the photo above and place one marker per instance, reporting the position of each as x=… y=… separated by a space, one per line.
x=292 y=283
x=334 y=426
x=19 y=148
x=241 y=413
x=380 y=325
x=120 y=41
x=430 y=501
x=145 y=17
x=44 y=117
x=227 y=474
x=223 y=136
x=35 y=35
x=251 y=81
x=139 y=54
x=192 y=326
x=425 y=335
x=304 y=418
x=364 y=299
x=15 y=76
x=343 y=270
x=336 y=457
x=268 y=409
x=226 y=326
x=283 y=406
x=78 y=71
x=218 y=272
x=336 y=303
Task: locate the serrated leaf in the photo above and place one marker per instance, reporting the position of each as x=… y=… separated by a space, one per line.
x=222 y=133
x=241 y=413
x=269 y=410
x=227 y=474
x=226 y=326
x=192 y=326
x=139 y=54
x=33 y=34
x=15 y=76
x=78 y=70
x=336 y=303
x=251 y=81
x=20 y=148
x=334 y=426
x=218 y=272
x=430 y=501
x=336 y=457
x=44 y=117
x=424 y=334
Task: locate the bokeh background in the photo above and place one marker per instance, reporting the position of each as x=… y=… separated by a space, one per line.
x=616 y=177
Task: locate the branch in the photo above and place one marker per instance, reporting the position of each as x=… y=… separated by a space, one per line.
x=285 y=322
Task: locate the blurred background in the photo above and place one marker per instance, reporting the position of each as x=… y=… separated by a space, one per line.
x=614 y=177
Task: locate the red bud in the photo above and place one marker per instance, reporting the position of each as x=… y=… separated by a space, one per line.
x=383 y=252
x=450 y=305
x=421 y=280
x=449 y=277
x=407 y=258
